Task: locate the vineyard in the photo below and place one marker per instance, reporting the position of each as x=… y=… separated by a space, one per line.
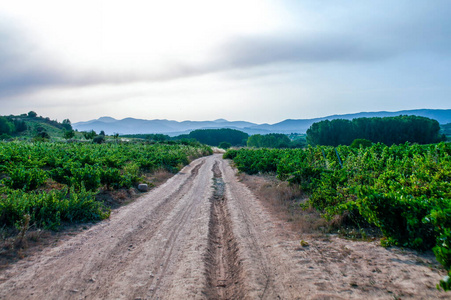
x=404 y=190
x=46 y=184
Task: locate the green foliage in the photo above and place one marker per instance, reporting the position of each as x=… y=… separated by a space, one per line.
x=157 y=137
x=99 y=139
x=69 y=134
x=67 y=125
x=26 y=179
x=445 y=129
x=4 y=136
x=441 y=220
x=404 y=190
x=112 y=178
x=20 y=125
x=6 y=127
x=400 y=217
x=42 y=135
x=28 y=169
x=30 y=126
x=445 y=283
x=230 y=154
x=87 y=177
x=389 y=130
x=224 y=145
x=32 y=114
x=272 y=140
x=89 y=135
x=49 y=209
x=357 y=143
x=254 y=161
x=214 y=137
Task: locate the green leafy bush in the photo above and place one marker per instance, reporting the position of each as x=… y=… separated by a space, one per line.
x=49 y=209
x=27 y=179
x=404 y=190
x=357 y=143
x=29 y=170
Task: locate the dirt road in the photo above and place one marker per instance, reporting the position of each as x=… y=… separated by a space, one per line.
x=204 y=235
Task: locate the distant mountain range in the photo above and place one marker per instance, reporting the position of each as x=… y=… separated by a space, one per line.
x=136 y=126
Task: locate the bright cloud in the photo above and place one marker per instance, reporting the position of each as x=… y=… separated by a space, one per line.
x=262 y=61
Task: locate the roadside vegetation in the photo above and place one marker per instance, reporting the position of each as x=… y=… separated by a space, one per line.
x=49 y=185
x=404 y=190
x=351 y=177
x=52 y=176
x=31 y=171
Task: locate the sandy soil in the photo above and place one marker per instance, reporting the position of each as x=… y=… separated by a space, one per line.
x=204 y=235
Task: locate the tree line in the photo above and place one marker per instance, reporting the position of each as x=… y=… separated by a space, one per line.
x=388 y=130
x=225 y=137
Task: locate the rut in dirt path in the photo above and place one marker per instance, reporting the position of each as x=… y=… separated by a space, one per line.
x=224 y=271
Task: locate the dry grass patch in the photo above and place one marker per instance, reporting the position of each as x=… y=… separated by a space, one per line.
x=284 y=201
x=116 y=198
x=158 y=177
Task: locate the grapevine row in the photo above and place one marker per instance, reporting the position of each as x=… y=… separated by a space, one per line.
x=405 y=190
x=57 y=182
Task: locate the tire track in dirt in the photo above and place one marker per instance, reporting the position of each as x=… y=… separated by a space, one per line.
x=165 y=256
x=151 y=268
x=258 y=272
x=223 y=268
x=132 y=243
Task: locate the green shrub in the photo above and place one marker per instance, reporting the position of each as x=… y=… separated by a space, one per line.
x=25 y=179
x=230 y=154
x=111 y=177
x=87 y=176
x=224 y=145
x=400 y=218
x=404 y=190
x=83 y=168
x=357 y=143
x=49 y=209
x=99 y=139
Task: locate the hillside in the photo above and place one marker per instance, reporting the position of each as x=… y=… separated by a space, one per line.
x=28 y=126
x=173 y=128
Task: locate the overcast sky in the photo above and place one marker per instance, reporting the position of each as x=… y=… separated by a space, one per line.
x=256 y=60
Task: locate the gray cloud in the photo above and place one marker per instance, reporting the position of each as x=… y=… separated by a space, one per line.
x=23 y=67
x=250 y=51
x=360 y=33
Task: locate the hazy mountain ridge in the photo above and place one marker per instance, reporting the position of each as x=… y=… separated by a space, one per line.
x=170 y=127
